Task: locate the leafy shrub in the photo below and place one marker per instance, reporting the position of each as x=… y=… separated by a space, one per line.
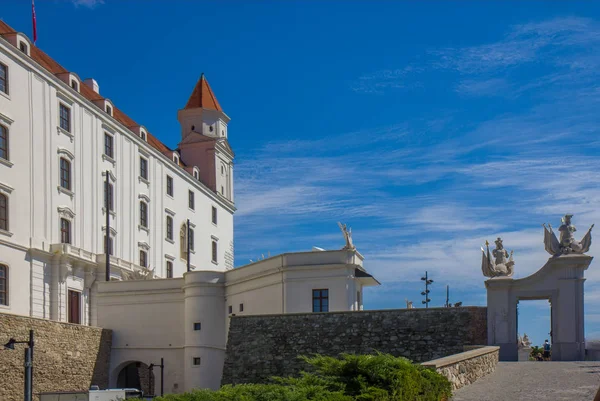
x=378 y=377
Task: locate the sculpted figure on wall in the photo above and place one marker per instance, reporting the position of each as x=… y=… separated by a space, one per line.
x=347 y=232
x=567 y=243
x=141 y=274
x=502 y=263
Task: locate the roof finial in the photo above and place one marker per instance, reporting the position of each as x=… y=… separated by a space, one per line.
x=201 y=76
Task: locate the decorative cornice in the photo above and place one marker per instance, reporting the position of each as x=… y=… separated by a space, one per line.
x=144 y=245
x=5 y=188
x=66 y=152
x=111 y=175
x=144 y=197
x=113 y=232
x=65 y=211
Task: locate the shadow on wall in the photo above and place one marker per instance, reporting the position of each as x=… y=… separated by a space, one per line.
x=101 y=366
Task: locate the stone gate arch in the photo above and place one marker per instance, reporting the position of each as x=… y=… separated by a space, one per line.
x=560 y=281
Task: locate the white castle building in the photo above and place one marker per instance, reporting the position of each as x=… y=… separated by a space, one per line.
x=60 y=140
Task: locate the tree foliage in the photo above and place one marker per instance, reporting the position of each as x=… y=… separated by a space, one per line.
x=378 y=377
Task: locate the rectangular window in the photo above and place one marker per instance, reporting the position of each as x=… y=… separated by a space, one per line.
x=169 y=269
x=110 y=245
x=65 y=173
x=108 y=195
x=3 y=142
x=241 y=307
x=214 y=251
x=74 y=307
x=320 y=300
x=196 y=361
x=65 y=231
x=197 y=326
x=3 y=212
x=230 y=309
x=143 y=214
x=169 y=227
x=3 y=285
x=108 y=145
x=143 y=259
x=214 y=215
x=143 y=168
x=191 y=233
x=169 y=186
x=74 y=85
x=108 y=110
x=3 y=78
x=65 y=118
x=191 y=203
x=23 y=47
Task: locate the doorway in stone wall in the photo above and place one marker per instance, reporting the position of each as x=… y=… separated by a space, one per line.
x=534 y=326
x=137 y=375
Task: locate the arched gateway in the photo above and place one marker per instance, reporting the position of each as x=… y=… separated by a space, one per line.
x=560 y=281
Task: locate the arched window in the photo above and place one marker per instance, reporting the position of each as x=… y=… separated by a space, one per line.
x=65 y=173
x=3 y=285
x=3 y=142
x=3 y=212
x=143 y=214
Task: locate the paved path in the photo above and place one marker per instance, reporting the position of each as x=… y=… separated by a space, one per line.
x=533 y=381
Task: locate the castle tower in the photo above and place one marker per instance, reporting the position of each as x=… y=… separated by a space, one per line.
x=204 y=141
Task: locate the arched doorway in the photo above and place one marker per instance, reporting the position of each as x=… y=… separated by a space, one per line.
x=137 y=375
x=560 y=281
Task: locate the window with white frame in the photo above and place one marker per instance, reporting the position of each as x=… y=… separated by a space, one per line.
x=191 y=234
x=108 y=195
x=170 y=227
x=169 y=269
x=109 y=145
x=143 y=214
x=3 y=78
x=65 y=173
x=214 y=251
x=191 y=200
x=143 y=258
x=65 y=117
x=3 y=212
x=214 y=215
x=3 y=142
x=110 y=244
x=65 y=231
x=144 y=168
x=4 y=285
x=169 y=185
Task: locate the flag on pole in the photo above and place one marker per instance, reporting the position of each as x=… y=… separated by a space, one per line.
x=33 y=21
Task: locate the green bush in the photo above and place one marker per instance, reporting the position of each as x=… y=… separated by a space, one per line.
x=378 y=377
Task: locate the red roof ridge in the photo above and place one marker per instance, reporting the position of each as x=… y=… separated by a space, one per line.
x=203 y=97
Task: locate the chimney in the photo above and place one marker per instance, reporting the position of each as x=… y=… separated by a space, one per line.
x=91 y=82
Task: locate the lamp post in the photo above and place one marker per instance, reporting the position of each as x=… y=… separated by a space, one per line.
x=107 y=201
x=162 y=375
x=447 y=296
x=188 y=245
x=426 y=292
x=28 y=390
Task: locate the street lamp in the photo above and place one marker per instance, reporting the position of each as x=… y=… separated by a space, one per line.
x=162 y=375
x=426 y=292
x=28 y=391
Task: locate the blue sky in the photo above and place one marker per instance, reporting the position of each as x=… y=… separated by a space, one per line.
x=428 y=127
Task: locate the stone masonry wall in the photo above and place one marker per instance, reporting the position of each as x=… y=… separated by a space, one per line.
x=465 y=368
x=66 y=356
x=263 y=346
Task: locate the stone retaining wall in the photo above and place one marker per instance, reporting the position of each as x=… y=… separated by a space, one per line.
x=66 y=356
x=464 y=368
x=269 y=345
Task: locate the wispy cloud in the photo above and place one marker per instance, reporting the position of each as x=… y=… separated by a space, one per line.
x=87 y=3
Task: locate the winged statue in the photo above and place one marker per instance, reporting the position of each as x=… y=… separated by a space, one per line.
x=498 y=263
x=567 y=243
x=347 y=232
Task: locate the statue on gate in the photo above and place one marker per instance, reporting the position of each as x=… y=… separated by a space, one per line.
x=502 y=263
x=567 y=243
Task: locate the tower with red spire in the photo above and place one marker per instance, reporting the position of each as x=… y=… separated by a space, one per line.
x=204 y=141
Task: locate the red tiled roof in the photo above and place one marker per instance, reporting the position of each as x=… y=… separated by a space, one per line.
x=52 y=66
x=203 y=97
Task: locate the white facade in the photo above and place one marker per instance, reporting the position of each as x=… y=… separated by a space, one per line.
x=40 y=263
x=280 y=284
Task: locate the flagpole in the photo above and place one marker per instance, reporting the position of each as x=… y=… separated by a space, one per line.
x=33 y=21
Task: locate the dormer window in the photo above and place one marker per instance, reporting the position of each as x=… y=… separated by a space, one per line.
x=196 y=173
x=74 y=85
x=210 y=128
x=108 y=110
x=175 y=158
x=143 y=135
x=23 y=47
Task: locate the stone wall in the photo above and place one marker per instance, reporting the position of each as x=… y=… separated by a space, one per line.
x=66 y=356
x=464 y=368
x=262 y=346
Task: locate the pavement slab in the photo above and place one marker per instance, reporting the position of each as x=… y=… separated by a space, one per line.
x=533 y=381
